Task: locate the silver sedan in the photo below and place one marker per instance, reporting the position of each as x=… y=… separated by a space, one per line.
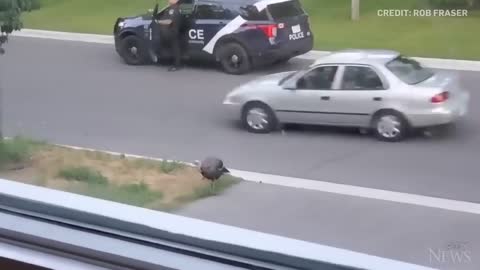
x=378 y=90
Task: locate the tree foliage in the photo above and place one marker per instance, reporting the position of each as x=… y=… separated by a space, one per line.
x=10 y=20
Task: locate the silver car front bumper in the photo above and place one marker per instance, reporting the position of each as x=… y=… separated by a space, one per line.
x=232 y=110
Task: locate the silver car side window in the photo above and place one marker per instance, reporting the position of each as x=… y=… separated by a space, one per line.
x=320 y=78
x=361 y=78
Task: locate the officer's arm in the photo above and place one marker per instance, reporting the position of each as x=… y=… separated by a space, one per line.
x=177 y=16
x=164 y=22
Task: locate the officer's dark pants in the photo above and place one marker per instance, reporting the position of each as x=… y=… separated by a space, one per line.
x=175 y=45
x=174 y=42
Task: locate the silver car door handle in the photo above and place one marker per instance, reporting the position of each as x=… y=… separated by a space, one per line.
x=325 y=98
x=377 y=99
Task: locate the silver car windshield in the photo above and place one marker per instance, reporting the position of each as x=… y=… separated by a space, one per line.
x=408 y=70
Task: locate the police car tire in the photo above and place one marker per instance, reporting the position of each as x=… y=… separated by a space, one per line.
x=143 y=57
x=226 y=51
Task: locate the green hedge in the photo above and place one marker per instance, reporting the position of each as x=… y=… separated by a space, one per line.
x=29 y=5
x=462 y=4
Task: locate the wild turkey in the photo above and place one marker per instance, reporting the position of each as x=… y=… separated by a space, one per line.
x=212 y=168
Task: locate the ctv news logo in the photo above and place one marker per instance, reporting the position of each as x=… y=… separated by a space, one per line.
x=454 y=253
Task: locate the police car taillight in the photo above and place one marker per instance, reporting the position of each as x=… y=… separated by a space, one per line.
x=269 y=30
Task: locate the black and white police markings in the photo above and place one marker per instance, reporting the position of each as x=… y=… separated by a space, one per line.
x=196 y=36
x=296 y=36
x=236 y=24
x=297 y=33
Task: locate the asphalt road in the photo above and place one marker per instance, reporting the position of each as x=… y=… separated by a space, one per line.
x=83 y=94
x=431 y=237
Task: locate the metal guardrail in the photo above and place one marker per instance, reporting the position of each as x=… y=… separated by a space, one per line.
x=133 y=228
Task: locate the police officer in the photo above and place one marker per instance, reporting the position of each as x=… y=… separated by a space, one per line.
x=172 y=20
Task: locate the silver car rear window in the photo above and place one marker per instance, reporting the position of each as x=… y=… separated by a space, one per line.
x=408 y=70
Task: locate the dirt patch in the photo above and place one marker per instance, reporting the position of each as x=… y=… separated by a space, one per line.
x=152 y=184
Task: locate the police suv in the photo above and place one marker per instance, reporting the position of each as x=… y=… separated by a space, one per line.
x=239 y=34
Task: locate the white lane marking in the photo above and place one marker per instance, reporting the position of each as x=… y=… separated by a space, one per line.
x=348 y=190
x=453 y=64
x=362 y=192
x=263 y=4
x=228 y=29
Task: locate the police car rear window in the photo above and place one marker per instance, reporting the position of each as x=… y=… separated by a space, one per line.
x=250 y=12
x=285 y=9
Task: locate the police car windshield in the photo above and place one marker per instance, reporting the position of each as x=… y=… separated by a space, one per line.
x=285 y=9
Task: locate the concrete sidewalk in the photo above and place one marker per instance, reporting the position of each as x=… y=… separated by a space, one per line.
x=427 y=236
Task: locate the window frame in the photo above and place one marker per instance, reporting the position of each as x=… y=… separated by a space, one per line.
x=300 y=6
x=210 y=4
x=335 y=79
x=242 y=7
x=380 y=75
x=431 y=72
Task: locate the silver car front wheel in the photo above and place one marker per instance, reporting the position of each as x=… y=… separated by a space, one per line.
x=390 y=126
x=258 y=118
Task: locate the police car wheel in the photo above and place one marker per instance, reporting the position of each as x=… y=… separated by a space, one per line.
x=133 y=51
x=258 y=118
x=234 y=59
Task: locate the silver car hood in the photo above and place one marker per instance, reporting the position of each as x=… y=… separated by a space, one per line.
x=270 y=79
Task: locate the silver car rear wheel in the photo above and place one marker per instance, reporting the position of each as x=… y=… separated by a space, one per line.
x=390 y=126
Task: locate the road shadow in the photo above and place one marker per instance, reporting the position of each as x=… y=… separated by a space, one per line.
x=460 y=131
x=446 y=134
x=293 y=64
x=308 y=130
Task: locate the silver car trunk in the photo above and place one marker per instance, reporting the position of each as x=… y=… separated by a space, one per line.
x=443 y=81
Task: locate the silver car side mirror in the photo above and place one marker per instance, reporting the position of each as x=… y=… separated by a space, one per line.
x=289 y=87
x=290 y=84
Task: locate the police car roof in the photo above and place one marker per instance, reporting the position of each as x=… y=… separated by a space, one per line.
x=228 y=1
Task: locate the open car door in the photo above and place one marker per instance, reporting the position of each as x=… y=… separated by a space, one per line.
x=159 y=33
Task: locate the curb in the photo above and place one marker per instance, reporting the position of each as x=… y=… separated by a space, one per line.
x=328 y=187
x=438 y=63
x=80 y=37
